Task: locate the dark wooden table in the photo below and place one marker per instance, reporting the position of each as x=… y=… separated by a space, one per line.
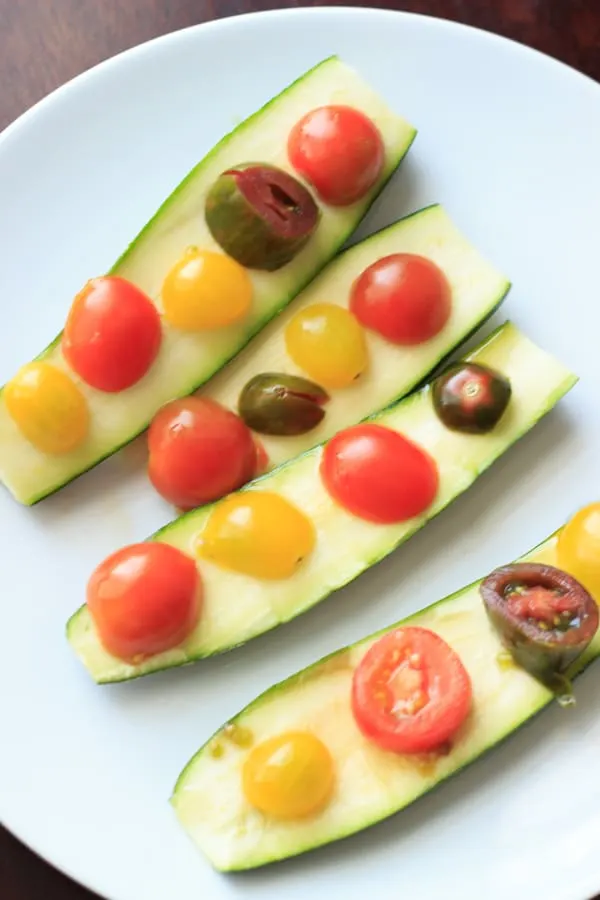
x=45 y=42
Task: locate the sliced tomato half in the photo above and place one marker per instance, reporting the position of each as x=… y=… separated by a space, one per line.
x=411 y=692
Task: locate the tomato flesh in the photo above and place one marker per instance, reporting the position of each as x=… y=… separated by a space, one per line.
x=404 y=297
x=112 y=334
x=144 y=599
x=379 y=475
x=339 y=151
x=198 y=452
x=411 y=692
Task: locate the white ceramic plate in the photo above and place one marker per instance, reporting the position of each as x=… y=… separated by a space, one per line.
x=509 y=141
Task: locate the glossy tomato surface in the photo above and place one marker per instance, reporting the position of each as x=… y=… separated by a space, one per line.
x=339 y=151
x=144 y=599
x=411 y=692
x=378 y=474
x=404 y=297
x=198 y=452
x=112 y=334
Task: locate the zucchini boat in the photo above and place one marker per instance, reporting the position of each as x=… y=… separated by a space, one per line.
x=134 y=339
x=236 y=796
x=258 y=582
x=391 y=370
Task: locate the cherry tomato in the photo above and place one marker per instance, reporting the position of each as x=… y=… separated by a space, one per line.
x=47 y=407
x=198 y=452
x=327 y=342
x=578 y=548
x=378 y=474
x=205 y=289
x=112 y=334
x=339 y=151
x=257 y=533
x=405 y=298
x=144 y=599
x=289 y=776
x=410 y=692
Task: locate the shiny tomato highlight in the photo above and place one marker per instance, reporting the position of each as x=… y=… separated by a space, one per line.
x=404 y=297
x=410 y=692
x=144 y=599
x=339 y=151
x=112 y=334
x=379 y=475
x=198 y=452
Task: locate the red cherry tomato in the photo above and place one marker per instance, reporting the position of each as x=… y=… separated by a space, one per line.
x=144 y=599
x=404 y=297
x=378 y=474
x=199 y=451
x=410 y=692
x=339 y=151
x=112 y=334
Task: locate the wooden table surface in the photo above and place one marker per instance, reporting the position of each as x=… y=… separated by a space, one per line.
x=43 y=43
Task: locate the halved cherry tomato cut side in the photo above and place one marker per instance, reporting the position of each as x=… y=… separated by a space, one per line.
x=404 y=297
x=112 y=334
x=339 y=151
x=410 y=692
x=144 y=599
x=379 y=475
x=199 y=451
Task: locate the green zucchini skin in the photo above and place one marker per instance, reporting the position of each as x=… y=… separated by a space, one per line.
x=229 y=854
x=31 y=477
x=539 y=381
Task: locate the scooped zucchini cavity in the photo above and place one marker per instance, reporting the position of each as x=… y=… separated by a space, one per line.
x=270 y=551
x=239 y=237
x=365 y=732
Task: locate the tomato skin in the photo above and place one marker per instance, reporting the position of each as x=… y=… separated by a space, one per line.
x=199 y=451
x=144 y=599
x=339 y=151
x=439 y=690
x=112 y=334
x=377 y=474
x=404 y=297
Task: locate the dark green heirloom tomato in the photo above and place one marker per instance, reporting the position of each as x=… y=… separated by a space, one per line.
x=260 y=215
x=545 y=618
x=470 y=397
x=274 y=403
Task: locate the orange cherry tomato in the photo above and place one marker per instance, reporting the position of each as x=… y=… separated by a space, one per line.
x=144 y=599
x=378 y=474
x=339 y=151
x=404 y=297
x=411 y=692
x=112 y=334
x=199 y=451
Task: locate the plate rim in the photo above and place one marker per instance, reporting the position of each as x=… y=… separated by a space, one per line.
x=13 y=130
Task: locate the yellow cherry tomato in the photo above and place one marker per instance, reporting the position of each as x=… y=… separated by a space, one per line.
x=205 y=290
x=578 y=548
x=328 y=343
x=289 y=776
x=48 y=408
x=257 y=533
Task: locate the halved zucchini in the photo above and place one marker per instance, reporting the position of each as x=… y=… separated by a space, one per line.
x=237 y=608
x=477 y=291
x=187 y=360
x=371 y=784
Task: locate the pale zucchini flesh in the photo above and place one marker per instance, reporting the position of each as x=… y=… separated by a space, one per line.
x=237 y=608
x=187 y=360
x=477 y=291
x=371 y=784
